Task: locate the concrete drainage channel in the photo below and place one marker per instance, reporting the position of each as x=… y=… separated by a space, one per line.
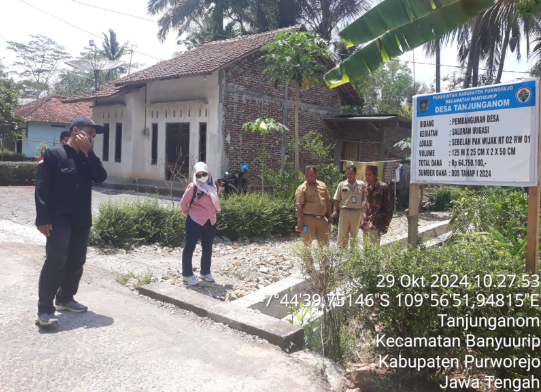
x=260 y=313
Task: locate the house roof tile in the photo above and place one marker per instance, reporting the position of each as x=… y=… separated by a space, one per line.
x=200 y=61
x=204 y=59
x=51 y=109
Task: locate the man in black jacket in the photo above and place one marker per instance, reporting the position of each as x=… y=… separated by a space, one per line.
x=65 y=177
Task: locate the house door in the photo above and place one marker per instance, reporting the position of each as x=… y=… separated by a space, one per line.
x=177 y=150
x=350 y=151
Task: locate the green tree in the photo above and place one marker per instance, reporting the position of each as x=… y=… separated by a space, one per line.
x=72 y=81
x=500 y=28
x=181 y=14
x=39 y=61
x=10 y=125
x=264 y=126
x=113 y=50
x=323 y=16
x=3 y=74
x=295 y=57
x=386 y=89
x=40 y=150
x=202 y=31
x=203 y=20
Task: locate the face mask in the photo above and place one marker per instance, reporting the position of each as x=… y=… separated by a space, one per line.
x=202 y=180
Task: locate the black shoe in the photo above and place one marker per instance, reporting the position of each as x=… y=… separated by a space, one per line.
x=47 y=319
x=72 y=306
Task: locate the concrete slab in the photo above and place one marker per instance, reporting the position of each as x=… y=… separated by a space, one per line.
x=267 y=300
x=425 y=233
x=276 y=331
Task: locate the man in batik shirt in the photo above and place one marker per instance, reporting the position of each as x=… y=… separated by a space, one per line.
x=377 y=207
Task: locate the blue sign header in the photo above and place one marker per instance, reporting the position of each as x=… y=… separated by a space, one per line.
x=509 y=96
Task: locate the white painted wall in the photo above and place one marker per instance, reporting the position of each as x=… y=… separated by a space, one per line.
x=192 y=100
x=112 y=115
x=40 y=132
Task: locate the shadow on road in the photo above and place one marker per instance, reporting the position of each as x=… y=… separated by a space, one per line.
x=70 y=321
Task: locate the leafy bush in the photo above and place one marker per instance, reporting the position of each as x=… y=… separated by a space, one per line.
x=10 y=156
x=365 y=269
x=122 y=224
x=18 y=173
x=151 y=221
x=114 y=225
x=444 y=196
x=480 y=208
x=256 y=215
x=40 y=150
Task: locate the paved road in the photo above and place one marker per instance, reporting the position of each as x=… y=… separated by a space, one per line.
x=127 y=342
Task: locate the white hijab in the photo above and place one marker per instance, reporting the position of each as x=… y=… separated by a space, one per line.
x=208 y=187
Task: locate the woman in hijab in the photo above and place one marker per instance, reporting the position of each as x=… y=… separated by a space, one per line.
x=200 y=203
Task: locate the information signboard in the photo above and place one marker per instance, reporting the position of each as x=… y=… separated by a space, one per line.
x=479 y=136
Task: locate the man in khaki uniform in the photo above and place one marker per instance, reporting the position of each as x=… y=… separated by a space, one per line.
x=348 y=197
x=313 y=201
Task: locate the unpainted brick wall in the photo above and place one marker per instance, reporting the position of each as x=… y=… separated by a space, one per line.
x=244 y=147
x=369 y=140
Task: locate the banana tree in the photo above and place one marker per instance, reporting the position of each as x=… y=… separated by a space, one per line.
x=397 y=26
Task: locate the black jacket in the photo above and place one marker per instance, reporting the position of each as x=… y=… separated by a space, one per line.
x=64 y=185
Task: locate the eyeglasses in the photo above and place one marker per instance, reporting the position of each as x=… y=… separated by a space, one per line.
x=201 y=175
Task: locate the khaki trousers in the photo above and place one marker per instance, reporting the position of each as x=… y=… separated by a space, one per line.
x=348 y=225
x=372 y=235
x=316 y=227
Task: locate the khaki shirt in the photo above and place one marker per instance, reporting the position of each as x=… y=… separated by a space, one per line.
x=314 y=197
x=345 y=193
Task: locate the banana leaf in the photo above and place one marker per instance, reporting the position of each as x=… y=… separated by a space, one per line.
x=388 y=15
x=404 y=38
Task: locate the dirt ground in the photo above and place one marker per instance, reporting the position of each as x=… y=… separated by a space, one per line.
x=239 y=267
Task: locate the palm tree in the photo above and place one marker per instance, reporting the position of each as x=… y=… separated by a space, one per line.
x=323 y=16
x=433 y=48
x=113 y=50
x=501 y=27
x=181 y=15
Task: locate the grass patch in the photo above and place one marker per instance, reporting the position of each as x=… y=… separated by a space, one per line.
x=140 y=278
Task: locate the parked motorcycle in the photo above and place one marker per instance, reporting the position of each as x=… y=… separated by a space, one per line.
x=234 y=182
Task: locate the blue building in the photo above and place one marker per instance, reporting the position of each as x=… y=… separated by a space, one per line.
x=47 y=118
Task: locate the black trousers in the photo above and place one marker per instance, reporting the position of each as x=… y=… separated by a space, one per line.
x=63 y=268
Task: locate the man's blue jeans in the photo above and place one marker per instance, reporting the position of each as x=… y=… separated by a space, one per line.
x=194 y=233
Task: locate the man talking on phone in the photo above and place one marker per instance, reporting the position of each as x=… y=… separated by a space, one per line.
x=63 y=194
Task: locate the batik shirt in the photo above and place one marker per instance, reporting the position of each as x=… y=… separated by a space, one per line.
x=377 y=207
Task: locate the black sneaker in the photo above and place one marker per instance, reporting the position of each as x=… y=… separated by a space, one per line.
x=72 y=306
x=47 y=319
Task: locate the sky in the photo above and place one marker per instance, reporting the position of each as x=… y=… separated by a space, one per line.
x=19 y=20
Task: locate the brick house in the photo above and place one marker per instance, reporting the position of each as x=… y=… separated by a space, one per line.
x=47 y=118
x=192 y=107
